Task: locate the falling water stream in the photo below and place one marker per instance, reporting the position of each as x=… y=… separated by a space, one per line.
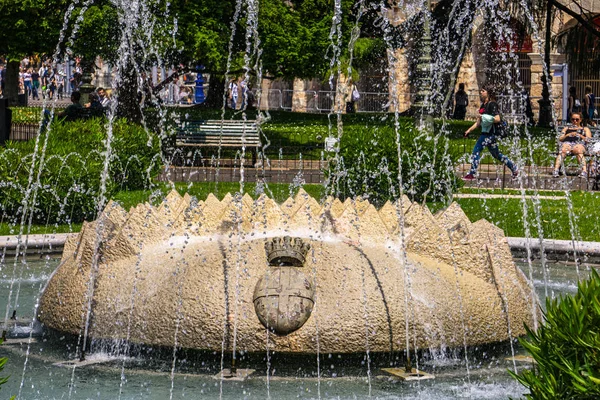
x=125 y=382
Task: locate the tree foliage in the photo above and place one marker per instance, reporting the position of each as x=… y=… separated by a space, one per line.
x=30 y=26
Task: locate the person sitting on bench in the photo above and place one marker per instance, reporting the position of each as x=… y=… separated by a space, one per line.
x=573 y=139
x=71 y=113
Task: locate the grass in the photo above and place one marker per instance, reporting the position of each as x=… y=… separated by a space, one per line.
x=508 y=215
x=13 y=230
x=280 y=192
x=292 y=134
x=29 y=115
x=504 y=213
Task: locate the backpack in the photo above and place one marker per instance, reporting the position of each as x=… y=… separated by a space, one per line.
x=501 y=130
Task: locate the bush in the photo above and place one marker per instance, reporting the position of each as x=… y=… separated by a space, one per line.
x=369 y=156
x=3 y=361
x=73 y=164
x=566 y=348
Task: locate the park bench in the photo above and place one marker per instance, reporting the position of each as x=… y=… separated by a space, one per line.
x=217 y=133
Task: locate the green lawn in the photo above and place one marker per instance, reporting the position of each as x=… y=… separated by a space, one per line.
x=504 y=213
x=9 y=229
x=292 y=135
x=279 y=191
x=554 y=215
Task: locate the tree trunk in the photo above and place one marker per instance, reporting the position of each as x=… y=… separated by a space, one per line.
x=127 y=95
x=214 y=96
x=11 y=83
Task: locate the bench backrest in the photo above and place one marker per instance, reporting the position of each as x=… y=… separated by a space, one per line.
x=217 y=132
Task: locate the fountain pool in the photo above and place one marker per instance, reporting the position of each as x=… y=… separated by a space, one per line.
x=148 y=376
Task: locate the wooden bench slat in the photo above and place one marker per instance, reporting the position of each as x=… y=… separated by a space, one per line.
x=215 y=133
x=215 y=145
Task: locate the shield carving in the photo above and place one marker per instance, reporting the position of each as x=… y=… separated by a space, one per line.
x=283 y=299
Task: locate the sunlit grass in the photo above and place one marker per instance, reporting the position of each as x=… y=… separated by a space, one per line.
x=506 y=213
x=554 y=216
x=13 y=230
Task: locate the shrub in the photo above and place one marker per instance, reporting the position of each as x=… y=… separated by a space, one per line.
x=369 y=157
x=3 y=361
x=26 y=115
x=566 y=348
x=70 y=178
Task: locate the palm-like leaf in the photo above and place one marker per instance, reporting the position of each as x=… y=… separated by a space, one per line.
x=566 y=347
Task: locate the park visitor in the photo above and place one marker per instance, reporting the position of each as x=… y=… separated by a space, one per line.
x=233 y=93
x=461 y=101
x=574 y=105
x=572 y=140
x=489 y=117
x=589 y=107
x=72 y=111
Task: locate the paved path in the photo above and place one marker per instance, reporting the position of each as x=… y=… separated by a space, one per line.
x=311 y=171
x=504 y=196
x=492 y=176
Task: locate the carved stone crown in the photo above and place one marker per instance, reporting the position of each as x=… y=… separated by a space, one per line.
x=286 y=251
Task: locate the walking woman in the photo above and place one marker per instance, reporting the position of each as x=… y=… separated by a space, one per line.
x=489 y=116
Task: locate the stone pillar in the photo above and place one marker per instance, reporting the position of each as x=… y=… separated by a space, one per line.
x=265 y=86
x=399 y=78
x=299 y=95
x=86 y=87
x=467 y=74
x=537 y=71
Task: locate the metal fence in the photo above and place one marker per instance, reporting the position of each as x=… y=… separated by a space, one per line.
x=23 y=131
x=369 y=102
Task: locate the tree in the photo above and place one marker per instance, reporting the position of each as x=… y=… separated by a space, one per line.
x=28 y=27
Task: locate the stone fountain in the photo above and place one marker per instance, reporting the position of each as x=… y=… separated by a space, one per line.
x=298 y=277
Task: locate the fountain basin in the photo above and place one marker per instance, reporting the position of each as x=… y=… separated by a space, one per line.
x=185 y=273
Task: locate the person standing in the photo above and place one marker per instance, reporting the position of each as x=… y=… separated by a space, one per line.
x=35 y=84
x=574 y=105
x=589 y=107
x=27 y=82
x=233 y=93
x=60 y=84
x=244 y=86
x=489 y=116
x=461 y=101
x=2 y=72
x=353 y=97
x=52 y=86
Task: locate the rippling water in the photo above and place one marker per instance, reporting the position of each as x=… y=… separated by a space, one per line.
x=149 y=377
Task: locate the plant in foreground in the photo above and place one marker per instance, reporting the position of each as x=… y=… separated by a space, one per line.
x=566 y=348
x=3 y=361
